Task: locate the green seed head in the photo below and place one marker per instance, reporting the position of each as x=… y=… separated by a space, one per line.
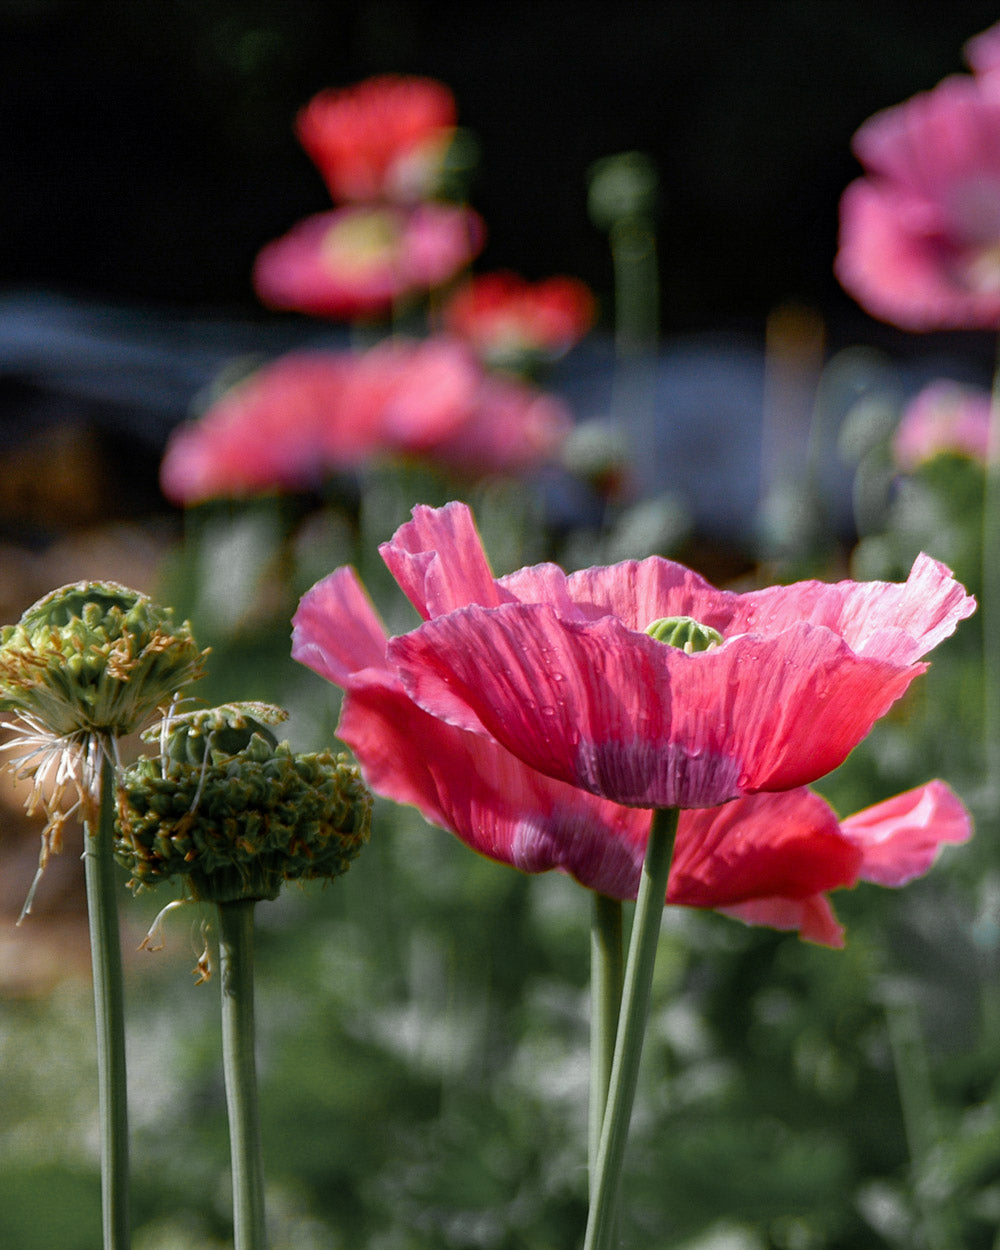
x=233 y=812
x=684 y=632
x=94 y=657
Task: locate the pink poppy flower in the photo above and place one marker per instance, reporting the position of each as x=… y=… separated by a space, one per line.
x=505 y=317
x=768 y=859
x=359 y=261
x=560 y=671
x=382 y=139
x=432 y=399
x=920 y=234
x=269 y=432
x=982 y=54
x=944 y=417
x=307 y=414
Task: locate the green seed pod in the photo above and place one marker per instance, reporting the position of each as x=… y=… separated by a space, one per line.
x=233 y=812
x=685 y=633
x=94 y=658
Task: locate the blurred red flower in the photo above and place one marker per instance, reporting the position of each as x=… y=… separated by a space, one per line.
x=768 y=859
x=559 y=671
x=359 y=261
x=506 y=318
x=381 y=139
x=292 y=422
x=945 y=417
x=920 y=234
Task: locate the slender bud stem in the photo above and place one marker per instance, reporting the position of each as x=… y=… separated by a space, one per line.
x=236 y=959
x=606 y=971
x=631 y=1028
x=105 y=950
x=990 y=596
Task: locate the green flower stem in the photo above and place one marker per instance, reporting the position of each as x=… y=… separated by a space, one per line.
x=631 y=1028
x=109 y=1010
x=990 y=608
x=236 y=960
x=920 y=1119
x=606 y=970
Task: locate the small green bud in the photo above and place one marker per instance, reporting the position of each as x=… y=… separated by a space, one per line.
x=684 y=632
x=94 y=658
x=621 y=186
x=233 y=812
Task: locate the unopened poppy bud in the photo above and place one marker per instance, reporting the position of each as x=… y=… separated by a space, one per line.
x=684 y=632
x=233 y=812
x=621 y=186
x=94 y=658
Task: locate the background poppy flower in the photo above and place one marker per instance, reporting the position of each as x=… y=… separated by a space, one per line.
x=268 y=432
x=359 y=261
x=767 y=859
x=432 y=399
x=945 y=417
x=506 y=318
x=560 y=672
x=382 y=139
x=294 y=421
x=920 y=234
x=982 y=53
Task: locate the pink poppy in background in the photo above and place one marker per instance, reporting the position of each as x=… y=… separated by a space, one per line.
x=268 y=432
x=560 y=671
x=434 y=400
x=920 y=234
x=982 y=54
x=768 y=859
x=299 y=418
x=381 y=139
x=945 y=417
x=360 y=261
x=506 y=318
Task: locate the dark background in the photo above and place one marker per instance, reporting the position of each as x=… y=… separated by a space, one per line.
x=148 y=150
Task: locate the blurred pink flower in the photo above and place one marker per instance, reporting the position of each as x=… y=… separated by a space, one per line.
x=381 y=139
x=768 y=859
x=506 y=317
x=359 y=261
x=292 y=422
x=434 y=400
x=944 y=417
x=559 y=671
x=982 y=53
x=269 y=432
x=920 y=234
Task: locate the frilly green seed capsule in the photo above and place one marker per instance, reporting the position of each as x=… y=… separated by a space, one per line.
x=94 y=658
x=685 y=633
x=234 y=813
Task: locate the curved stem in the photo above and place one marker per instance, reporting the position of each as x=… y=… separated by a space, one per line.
x=109 y=1008
x=631 y=1028
x=606 y=960
x=236 y=975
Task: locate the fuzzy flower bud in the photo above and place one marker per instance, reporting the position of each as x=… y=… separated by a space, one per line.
x=94 y=658
x=235 y=813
